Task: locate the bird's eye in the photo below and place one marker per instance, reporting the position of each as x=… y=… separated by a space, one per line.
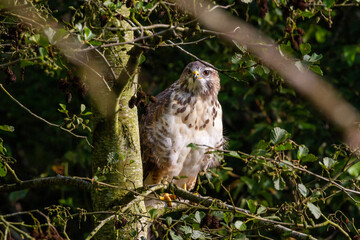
x=206 y=73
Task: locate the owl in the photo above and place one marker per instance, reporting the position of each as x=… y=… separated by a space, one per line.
x=188 y=112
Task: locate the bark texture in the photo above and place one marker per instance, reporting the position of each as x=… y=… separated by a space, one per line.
x=116 y=157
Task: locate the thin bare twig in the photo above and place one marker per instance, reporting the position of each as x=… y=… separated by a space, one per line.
x=42 y=119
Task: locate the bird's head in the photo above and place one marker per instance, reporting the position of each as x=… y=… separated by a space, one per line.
x=200 y=79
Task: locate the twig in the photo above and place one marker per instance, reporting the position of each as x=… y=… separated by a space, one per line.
x=48 y=181
x=303 y=170
x=42 y=119
x=91 y=69
x=98 y=227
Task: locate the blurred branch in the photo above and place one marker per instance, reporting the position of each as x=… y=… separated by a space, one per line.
x=321 y=94
x=44 y=182
x=42 y=119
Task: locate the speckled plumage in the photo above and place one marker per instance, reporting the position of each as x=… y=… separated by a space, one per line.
x=186 y=112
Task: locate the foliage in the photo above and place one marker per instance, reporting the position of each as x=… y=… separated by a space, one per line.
x=286 y=165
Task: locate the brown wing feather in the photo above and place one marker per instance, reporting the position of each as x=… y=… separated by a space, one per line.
x=147 y=128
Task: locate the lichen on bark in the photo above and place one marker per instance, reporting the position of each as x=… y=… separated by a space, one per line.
x=116 y=157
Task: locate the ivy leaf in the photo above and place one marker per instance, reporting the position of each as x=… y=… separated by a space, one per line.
x=278 y=135
x=3 y=170
x=7 y=128
x=279 y=184
x=303 y=190
x=197 y=217
x=314 y=210
x=240 y=225
x=302 y=152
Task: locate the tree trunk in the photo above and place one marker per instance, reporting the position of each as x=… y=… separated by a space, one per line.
x=116 y=157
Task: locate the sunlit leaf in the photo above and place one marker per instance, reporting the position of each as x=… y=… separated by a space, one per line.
x=7 y=128
x=240 y=225
x=303 y=190
x=278 y=135
x=302 y=152
x=279 y=184
x=314 y=210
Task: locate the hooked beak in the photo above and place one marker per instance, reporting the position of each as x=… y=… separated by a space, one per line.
x=195 y=75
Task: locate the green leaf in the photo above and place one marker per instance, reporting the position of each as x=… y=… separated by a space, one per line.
x=314 y=58
x=262 y=209
x=153 y=213
x=303 y=190
x=283 y=147
x=234 y=154
x=142 y=59
x=174 y=236
x=79 y=27
x=7 y=128
x=43 y=52
x=186 y=229
x=354 y=170
x=279 y=184
x=278 y=135
x=228 y=216
x=88 y=35
x=35 y=38
x=168 y=221
x=327 y=163
x=309 y=158
x=193 y=146
x=314 y=210
x=252 y=206
x=305 y=48
x=240 y=225
x=302 y=152
x=316 y=69
x=3 y=170
x=82 y=107
x=328 y=3
x=197 y=217
x=50 y=33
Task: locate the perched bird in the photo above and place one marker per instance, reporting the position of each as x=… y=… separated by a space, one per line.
x=186 y=112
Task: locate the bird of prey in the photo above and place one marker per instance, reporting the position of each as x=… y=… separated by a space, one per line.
x=186 y=112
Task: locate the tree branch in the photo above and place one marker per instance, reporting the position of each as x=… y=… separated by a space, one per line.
x=48 y=181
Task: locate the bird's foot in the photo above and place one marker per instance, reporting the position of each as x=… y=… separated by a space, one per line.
x=168 y=198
